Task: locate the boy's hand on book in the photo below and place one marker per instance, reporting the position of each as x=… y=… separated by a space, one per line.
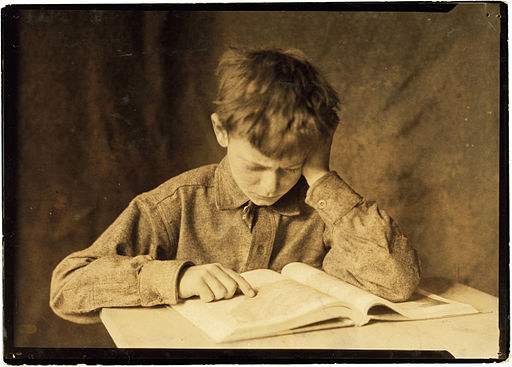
x=317 y=162
x=212 y=282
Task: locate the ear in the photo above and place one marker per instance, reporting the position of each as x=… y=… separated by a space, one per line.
x=219 y=130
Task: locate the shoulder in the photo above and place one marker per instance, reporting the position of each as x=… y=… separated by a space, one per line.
x=201 y=177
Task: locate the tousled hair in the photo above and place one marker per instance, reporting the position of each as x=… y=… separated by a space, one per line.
x=276 y=99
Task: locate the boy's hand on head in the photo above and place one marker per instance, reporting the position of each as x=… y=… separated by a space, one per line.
x=212 y=282
x=317 y=162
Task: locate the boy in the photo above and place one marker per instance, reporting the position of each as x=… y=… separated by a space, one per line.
x=272 y=200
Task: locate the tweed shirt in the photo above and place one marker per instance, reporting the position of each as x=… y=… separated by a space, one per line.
x=202 y=216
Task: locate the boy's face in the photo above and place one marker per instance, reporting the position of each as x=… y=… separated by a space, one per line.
x=262 y=179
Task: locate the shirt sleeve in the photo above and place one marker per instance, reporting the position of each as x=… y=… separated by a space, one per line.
x=125 y=266
x=365 y=246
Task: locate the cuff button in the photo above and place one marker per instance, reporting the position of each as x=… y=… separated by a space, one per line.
x=322 y=204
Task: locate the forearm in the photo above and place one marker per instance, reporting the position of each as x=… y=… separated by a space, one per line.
x=82 y=285
x=126 y=266
x=366 y=248
x=389 y=269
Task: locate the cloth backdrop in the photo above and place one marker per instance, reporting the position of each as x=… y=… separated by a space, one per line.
x=111 y=103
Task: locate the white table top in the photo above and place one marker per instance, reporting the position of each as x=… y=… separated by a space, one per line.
x=472 y=336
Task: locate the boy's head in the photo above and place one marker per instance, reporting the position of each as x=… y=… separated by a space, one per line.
x=276 y=100
x=273 y=107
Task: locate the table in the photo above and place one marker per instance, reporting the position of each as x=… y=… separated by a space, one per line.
x=471 y=336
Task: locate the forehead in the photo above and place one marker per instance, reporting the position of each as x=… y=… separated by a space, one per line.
x=242 y=149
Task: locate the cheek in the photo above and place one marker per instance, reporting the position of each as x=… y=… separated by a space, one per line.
x=247 y=178
x=251 y=179
x=289 y=180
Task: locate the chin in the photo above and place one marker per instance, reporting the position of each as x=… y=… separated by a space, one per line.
x=264 y=201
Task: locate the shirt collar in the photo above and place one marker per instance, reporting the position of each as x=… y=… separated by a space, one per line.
x=229 y=196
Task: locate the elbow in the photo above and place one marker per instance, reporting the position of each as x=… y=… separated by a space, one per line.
x=395 y=280
x=67 y=311
x=67 y=303
x=402 y=289
x=403 y=277
x=401 y=283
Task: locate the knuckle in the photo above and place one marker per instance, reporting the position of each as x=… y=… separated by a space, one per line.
x=203 y=277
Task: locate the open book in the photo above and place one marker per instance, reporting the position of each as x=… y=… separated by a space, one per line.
x=304 y=298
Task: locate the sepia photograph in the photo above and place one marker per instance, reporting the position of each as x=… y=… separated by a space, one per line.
x=255 y=183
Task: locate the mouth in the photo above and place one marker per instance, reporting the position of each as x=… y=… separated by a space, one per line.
x=261 y=197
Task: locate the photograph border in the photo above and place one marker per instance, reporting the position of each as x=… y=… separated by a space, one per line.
x=16 y=355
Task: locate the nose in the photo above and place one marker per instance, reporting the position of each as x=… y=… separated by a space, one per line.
x=270 y=183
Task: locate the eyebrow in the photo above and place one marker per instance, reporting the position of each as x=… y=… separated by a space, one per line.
x=291 y=166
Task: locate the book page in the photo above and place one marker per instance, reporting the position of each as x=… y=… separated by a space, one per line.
x=279 y=303
x=348 y=294
x=421 y=305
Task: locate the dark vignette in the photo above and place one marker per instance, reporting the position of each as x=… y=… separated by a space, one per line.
x=16 y=356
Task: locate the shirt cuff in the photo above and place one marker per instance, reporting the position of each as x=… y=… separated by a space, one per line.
x=332 y=197
x=158 y=282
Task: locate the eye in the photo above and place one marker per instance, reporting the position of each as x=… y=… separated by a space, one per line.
x=256 y=168
x=292 y=170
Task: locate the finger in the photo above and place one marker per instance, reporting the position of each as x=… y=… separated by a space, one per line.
x=227 y=281
x=205 y=292
x=215 y=285
x=244 y=286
